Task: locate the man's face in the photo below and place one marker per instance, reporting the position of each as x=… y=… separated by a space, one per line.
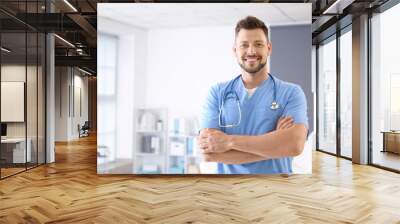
x=252 y=50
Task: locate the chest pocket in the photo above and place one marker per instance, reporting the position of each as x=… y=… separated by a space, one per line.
x=267 y=118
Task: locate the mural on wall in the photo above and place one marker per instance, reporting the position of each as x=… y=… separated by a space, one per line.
x=167 y=92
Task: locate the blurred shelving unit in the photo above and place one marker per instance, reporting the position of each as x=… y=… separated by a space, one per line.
x=183 y=157
x=151 y=139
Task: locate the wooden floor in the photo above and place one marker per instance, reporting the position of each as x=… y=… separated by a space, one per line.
x=70 y=191
x=10 y=171
x=388 y=159
x=5 y=172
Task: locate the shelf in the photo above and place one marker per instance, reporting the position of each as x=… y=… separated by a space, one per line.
x=181 y=135
x=177 y=155
x=149 y=132
x=147 y=154
x=148 y=172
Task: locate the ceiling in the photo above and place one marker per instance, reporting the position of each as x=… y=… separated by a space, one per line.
x=179 y=15
x=78 y=24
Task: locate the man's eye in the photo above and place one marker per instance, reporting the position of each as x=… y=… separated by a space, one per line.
x=243 y=46
x=259 y=45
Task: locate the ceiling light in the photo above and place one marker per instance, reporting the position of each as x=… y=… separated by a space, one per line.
x=64 y=40
x=79 y=51
x=337 y=7
x=5 y=50
x=84 y=71
x=70 y=5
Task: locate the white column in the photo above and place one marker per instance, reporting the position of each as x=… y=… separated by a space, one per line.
x=50 y=99
x=360 y=90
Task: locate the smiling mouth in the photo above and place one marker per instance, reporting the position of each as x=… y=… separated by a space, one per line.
x=251 y=59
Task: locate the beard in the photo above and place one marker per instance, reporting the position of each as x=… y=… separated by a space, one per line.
x=253 y=70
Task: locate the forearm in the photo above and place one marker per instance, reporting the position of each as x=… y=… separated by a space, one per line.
x=280 y=143
x=233 y=157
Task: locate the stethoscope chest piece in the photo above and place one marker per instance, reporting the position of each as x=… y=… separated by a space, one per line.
x=274 y=105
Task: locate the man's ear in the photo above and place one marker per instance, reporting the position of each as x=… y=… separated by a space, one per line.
x=269 y=46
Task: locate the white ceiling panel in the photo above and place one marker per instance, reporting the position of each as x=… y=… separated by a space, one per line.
x=179 y=15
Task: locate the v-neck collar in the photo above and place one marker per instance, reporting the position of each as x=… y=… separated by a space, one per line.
x=244 y=91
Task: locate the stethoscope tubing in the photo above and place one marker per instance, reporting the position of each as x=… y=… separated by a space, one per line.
x=230 y=85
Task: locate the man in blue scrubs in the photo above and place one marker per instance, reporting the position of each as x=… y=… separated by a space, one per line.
x=242 y=129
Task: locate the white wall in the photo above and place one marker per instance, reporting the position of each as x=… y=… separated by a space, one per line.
x=66 y=121
x=15 y=72
x=79 y=118
x=61 y=103
x=172 y=81
x=11 y=74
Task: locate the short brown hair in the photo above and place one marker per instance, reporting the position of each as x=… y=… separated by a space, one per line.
x=251 y=23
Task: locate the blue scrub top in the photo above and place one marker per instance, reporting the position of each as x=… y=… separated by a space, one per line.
x=257 y=118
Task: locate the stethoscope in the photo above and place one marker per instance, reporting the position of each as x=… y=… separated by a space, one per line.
x=274 y=105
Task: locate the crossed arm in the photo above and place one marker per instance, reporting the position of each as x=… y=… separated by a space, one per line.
x=287 y=140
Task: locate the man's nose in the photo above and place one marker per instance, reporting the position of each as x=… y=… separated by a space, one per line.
x=251 y=50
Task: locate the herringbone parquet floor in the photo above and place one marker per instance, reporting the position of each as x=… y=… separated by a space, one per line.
x=70 y=191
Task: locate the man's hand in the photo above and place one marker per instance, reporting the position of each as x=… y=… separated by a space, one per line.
x=284 y=122
x=215 y=145
x=210 y=157
x=213 y=141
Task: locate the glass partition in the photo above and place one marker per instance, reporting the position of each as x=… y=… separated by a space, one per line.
x=31 y=99
x=327 y=96
x=22 y=88
x=385 y=88
x=13 y=110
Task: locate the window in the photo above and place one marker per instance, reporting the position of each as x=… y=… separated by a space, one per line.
x=385 y=89
x=346 y=94
x=327 y=96
x=107 y=74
